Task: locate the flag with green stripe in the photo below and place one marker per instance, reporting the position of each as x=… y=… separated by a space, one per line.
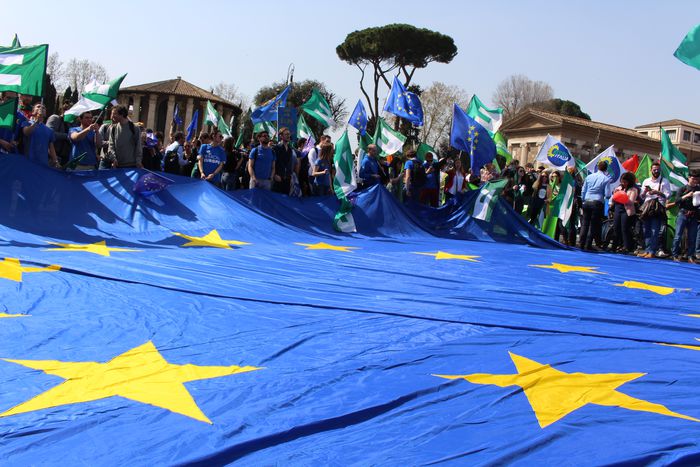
x=388 y=141
x=487 y=199
x=672 y=154
x=8 y=110
x=303 y=128
x=212 y=117
x=561 y=206
x=344 y=183
x=95 y=97
x=317 y=106
x=502 y=146
x=22 y=69
x=491 y=119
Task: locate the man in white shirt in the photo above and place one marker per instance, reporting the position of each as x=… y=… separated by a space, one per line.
x=655 y=190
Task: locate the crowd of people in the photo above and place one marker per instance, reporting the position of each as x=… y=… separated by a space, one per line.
x=636 y=209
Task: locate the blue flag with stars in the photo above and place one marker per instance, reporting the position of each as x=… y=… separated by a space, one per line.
x=268 y=111
x=404 y=104
x=358 y=119
x=469 y=136
x=197 y=326
x=177 y=120
x=192 y=127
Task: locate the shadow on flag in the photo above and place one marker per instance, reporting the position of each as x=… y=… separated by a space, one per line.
x=151 y=183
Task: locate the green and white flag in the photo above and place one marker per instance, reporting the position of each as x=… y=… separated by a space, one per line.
x=212 y=117
x=318 y=108
x=487 y=198
x=303 y=129
x=344 y=183
x=95 y=97
x=388 y=141
x=15 y=42
x=502 y=146
x=491 y=119
x=424 y=149
x=673 y=175
x=269 y=127
x=22 y=69
x=561 y=206
x=8 y=111
x=673 y=155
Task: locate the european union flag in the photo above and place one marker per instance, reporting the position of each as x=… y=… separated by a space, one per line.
x=404 y=104
x=358 y=119
x=469 y=136
x=151 y=183
x=268 y=111
x=177 y=120
x=192 y=127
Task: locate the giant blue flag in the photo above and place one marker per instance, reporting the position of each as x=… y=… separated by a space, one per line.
x=192 y=127
x=204 y=327
x=469 y=136
x=268 y=111
x=358 y=119
x=404 y=104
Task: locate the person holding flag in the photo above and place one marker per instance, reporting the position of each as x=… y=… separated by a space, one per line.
x=85 y=139
x=40 y=138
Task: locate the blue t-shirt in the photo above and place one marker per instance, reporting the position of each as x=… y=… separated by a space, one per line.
x=368 y=169
x=13 y=135
x=262 y=158
x=431 y=179
x=38 y=143
x=85 y=145
x=322 y=180
x=212 y=157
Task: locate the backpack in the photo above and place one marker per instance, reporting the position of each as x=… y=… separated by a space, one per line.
x=418 y=176
x=171 y=162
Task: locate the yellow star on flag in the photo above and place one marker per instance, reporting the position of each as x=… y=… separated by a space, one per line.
x=683 y=346
x=99 y=248
x=443 y=255
x=568 y=268
x=12 y=269
x=8 y=315
x=212 y=239
x=326 y=246
x=553 y=394
x=658 y=289
x=140 y=374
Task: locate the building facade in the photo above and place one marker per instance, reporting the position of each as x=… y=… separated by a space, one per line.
x=154 y=103
x=684 y=135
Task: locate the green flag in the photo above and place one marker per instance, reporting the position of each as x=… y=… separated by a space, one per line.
x=644 y=169
x=269 y=127
x=318 y=108
x=388 y=141
x=424 y=149
x=365 y=140
x=561 y=206
x=95 y=97
x=344 y=183
x=502 y=146
x=239 y=140
x=487 y=198
x=7 y=114
x=22 y=69
x=212 y=117
x=303 y=129
x=689 y=50
x=673 y=155
x=581 y=168
x=15 y=42
x=491 y=119
x=673 y=176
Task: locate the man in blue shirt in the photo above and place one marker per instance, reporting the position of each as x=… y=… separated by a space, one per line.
x=39 y=138
x=85 y=139
x=595 y=189
x=429 y=193
x=261 y=163
x=211 y=159
x=369 y=167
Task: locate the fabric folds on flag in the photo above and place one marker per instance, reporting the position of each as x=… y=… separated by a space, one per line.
x=469 y=136
x=192 y=127
x=688 y=51
x=643 y=169
x=561 y=206
x=491 y=119
x=404 y=104
x=388 y=141
x=672 y=154
x=95 y=97
x=615 y=169
x=151 y=183
x=317 y=106
x=555 y=154
x=502 y=146
x=303 y=128
x=344 y=183
x=212 y=117
x=22 y=69
x=268 y=111
x=15 y=42
x=487 y=199
x=177 y=119
x=8 y=110
x=631 y=164
x=358 y=119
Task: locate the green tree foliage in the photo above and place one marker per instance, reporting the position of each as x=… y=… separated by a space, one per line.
x=300 y=93
x=562 y=107
x=381 y=50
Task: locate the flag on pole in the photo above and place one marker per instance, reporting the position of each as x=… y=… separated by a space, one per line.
x=15 y=42
x=318 y=108
x=268 y=111
x=303 y=128
x=8 y=110
x=344 y=183
x=22 y=69
x=468 y=135
x=268 y=127
x=177 y=120
x=239 y=140
x=615 y=169
x=581 y=168
x=554 y=153
x=192 y=127
x=688 y=51
x=491 y=119
x=631 y=164
x=643 y=169
x=404 y=104
x=561 y=206
x=673 y=175
x=672 y=154
x=95 y=97
x=487 y=198
x=358 y=119
x=424 y=149
x=212 y=117
x=388 y=141
x=502 y=146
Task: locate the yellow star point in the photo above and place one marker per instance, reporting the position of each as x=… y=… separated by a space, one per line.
x=568 y=268
x=444 y=255
x=9 y=315
x=140 y=374
x=657 y=289
x=99 y=248
x=326 y=246
x=212 y=239
x=12 y=269
x=553 y=394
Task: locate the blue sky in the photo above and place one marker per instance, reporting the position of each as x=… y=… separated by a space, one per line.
x=614 y=58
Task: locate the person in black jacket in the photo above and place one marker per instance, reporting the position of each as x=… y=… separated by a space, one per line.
x=687 y=218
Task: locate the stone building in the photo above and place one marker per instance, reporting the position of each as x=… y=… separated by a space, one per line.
x=154 y=103
x=684 y=135
x=585 y=139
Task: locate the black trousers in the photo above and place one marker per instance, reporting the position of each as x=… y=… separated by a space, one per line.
x=623 y=228
x=592 y=223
